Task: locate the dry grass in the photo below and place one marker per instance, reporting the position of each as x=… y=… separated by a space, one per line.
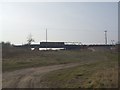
x=19 y=59
x=98 y=70
x=100 y=74
x=103 y=79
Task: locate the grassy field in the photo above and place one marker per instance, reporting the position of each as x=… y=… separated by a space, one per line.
x=97 y=69
x=14 y=61
x=40 y=58
x=102 y=74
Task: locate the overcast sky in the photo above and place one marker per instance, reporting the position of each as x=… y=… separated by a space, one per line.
x=65 y=21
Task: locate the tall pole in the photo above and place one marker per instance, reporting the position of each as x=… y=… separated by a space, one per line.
x=46 y=34
x=105 y=37
x=46 y=38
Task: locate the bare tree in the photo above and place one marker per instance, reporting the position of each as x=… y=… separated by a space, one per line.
x=30 y=39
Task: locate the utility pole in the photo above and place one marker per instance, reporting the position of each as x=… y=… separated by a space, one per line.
x=46 y=38
x=46 y=34
x=105 y=37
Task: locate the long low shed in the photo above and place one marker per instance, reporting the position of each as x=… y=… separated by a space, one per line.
x=60 y=45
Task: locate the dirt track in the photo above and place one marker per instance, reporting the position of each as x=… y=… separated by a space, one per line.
x=30 y=78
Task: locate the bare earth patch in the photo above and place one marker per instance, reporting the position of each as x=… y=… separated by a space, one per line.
x=27 y=78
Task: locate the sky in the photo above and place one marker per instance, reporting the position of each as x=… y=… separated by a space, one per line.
x=65 y=21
